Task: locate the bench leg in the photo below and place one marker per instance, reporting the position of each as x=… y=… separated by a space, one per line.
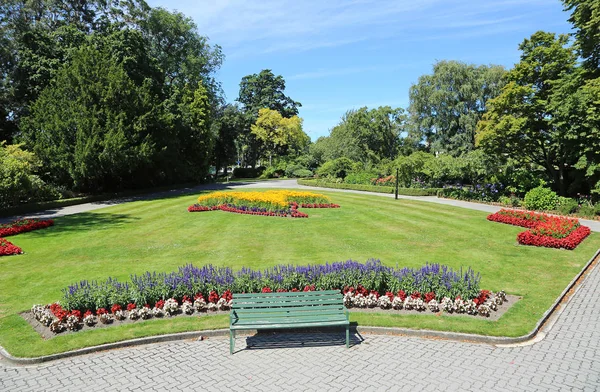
x=231 y=341
x=347 y=336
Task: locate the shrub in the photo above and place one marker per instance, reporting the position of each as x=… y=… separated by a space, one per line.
x=586 y=210
x=597 y=209
x=248 y=172
x=541 y=198
x=505 y=200
x=372 y=188
x=302 y=173
x=567 y=206
x=337 y=168
x=360 y=177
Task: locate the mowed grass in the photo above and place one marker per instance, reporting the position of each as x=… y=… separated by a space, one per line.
x=160 y=235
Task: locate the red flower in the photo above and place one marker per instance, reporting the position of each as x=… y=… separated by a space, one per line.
x=131 y=306
x=213 y=297
x=227 y=295
x=402 y=295
x=281 y=290
x=375 y=293
x=160 y=304
x=186 y=299
x=415 y=295
x=76 y=313
x=116 y=307
x=101 y=311
x=267 y=290
x=88 y=313
x=295 y=290
x=390 y=295
x=429 y=296
x=198 y=296
x=309 y=288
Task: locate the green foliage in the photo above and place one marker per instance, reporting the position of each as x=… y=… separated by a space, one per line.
x=541 y=198
x=302 y=173
x=364 y=135
x=587 y=211
x=266 y=91
x=279 y=135
x=585 y=17
x=371 y=188
x=361 y=177
x=597 y=208
x=446 y=106
x=337 y=168
x=248 y=172
x=527 y=121
x=567 y=205
x=18 y=181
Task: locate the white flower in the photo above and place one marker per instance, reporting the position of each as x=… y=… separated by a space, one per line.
x=470 y=307
x=371 y=300
x=72 y=323
x=222 y=304
x=89 y=320
x=359 y=301
x=145 y=313
x=157 y=312
x=57 y=326
x=134 y=314
x=212 y=307
x=397 y=303
x=120 y=315
x=348 y=299
x=384 y=302
x=502 y=295
x=200 y=304
x=447 y=305
x=484 y=310
x=171 y=307
x=459 y=306
x=419 y=304
x=187 y=307
x=106 y=318
x=433 y=305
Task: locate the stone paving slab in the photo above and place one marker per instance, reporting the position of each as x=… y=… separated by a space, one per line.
x=568 y=358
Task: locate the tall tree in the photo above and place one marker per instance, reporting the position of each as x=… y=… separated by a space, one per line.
x=261 y=91
x=585 y=17
x=522 y=121
x=365 y=135
x=226 y=128
x=446 y=105
x=279 y=134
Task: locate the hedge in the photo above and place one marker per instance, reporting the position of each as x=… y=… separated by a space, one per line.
x=371 y=188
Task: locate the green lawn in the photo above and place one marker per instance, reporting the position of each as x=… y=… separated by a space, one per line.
x=161 y=235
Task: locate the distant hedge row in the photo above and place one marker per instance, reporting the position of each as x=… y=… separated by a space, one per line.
x=371 y=188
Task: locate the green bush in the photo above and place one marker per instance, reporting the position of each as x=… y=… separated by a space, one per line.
x=541 y=198
x=337 y=168
x=505 y=200
x=361 y=177
x=371 y=188
x=567 y=206
x=302 y=173
x=248 y=172
x=587 y=211
x=597 y=208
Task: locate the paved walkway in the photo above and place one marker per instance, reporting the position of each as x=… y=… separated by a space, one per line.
x=290 y=184
x=567 y=359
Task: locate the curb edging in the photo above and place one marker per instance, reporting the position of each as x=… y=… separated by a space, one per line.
x=421 y=333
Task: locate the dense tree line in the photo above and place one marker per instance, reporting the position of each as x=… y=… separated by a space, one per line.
x=105 y=95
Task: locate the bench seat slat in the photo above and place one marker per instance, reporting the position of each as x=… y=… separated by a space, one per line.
x=300 y=309
x=288 y=299
x=303 y=294
x=324 y=302
x=263 y=316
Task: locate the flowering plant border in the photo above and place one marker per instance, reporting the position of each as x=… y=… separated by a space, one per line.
x=544 y=230
x=270 y=203
x=7 y=248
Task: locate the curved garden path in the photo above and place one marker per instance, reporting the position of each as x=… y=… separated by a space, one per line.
x=567 y=358
x=290 y=184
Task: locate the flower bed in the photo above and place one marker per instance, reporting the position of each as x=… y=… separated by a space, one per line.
x=16 y=227
x=23 y=226
x=7 y=248
x=191 y=289
x=270 y=203
x=544 y=230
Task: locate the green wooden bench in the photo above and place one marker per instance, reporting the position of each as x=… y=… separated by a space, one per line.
x=287 y=310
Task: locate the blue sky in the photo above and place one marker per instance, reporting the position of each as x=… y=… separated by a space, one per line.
x=337 y=55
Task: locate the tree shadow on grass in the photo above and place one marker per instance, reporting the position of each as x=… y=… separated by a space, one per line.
x=85 y=221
